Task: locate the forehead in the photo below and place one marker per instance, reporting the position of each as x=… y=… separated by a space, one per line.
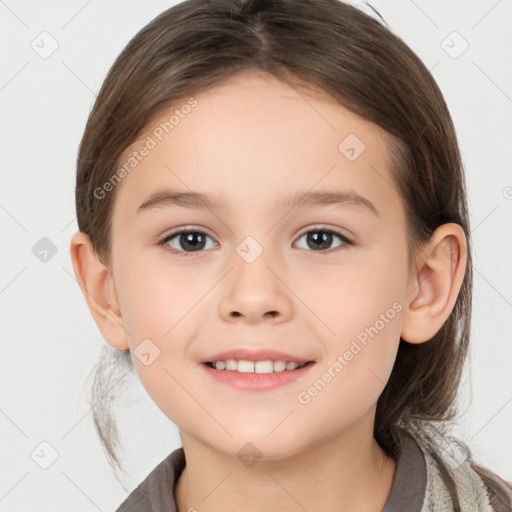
x=253 y=140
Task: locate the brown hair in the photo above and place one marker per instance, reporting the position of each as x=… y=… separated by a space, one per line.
x=322 y=45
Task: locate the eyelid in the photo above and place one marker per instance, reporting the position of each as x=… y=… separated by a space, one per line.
x=305 y=230
x=162 y=240
x=184 y=229
x=324 y=227
x=193 y=229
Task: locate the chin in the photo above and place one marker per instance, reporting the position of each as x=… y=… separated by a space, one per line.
x=249 y=448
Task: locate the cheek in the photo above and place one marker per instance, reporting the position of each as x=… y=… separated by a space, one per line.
x=358 y=363
x=351 y=296
x=157 y=295
x=158 y=311
x=363 y=308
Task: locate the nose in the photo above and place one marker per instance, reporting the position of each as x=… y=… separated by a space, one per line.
x=255 y=292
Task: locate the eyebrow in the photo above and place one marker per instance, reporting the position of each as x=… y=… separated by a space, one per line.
x=198 y=200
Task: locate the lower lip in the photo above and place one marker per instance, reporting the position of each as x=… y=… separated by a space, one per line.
x=258 y=381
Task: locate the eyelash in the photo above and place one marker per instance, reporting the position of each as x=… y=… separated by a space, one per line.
x=163 y=241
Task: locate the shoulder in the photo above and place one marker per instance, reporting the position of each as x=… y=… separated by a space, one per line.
x=498 y=490
x=137 y=501
x=156 y=492
x=477 y=487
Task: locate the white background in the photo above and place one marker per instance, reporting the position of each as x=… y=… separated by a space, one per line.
x=49 y=341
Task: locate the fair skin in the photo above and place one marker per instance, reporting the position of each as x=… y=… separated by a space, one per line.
x=255 y=140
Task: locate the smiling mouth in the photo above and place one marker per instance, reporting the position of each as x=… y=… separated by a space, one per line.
x=258 y=367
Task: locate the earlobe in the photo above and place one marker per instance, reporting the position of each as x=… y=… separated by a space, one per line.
x=98 y=288
x=434 y=287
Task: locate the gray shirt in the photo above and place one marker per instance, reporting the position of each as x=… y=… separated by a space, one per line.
x=156 y=492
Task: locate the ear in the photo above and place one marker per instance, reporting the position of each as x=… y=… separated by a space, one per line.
x=97 y=285
x=435 y=283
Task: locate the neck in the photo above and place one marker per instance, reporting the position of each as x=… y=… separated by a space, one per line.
x=333 y=475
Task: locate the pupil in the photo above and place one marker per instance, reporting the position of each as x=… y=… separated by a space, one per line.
x=188 y=239
x=196 y=241
x=325 y=239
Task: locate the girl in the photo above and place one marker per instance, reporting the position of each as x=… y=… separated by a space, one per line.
x=274 y=233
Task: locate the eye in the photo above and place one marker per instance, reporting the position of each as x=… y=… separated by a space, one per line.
x=188 y=239
x=191 y=241
x=321 y=239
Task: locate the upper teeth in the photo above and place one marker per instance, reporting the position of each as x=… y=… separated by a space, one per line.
x=267 y=366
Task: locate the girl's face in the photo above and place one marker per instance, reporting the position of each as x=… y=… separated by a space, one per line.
x=322 y=280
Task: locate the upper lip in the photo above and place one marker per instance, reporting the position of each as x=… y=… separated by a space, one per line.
x=262 y=354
